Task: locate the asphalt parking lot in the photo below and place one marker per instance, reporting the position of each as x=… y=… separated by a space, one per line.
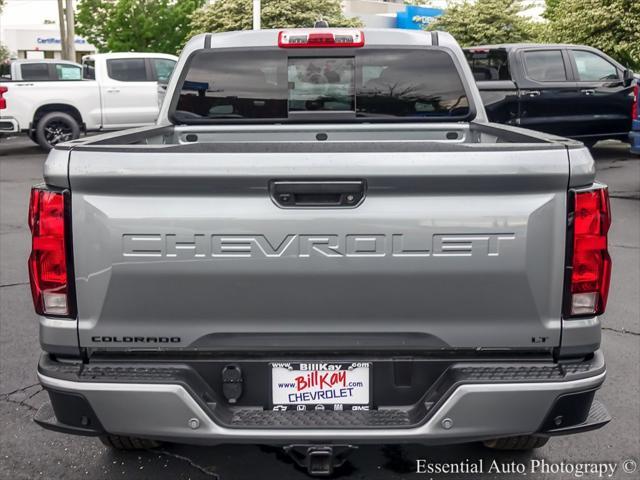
x=28 y=452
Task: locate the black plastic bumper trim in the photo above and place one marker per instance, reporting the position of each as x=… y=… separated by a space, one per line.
x=203 y=388
x=76 y=415
x=597 y=417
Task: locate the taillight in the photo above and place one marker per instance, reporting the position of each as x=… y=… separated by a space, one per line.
x=321 y=38
x=635 y=110
x=3 y=101
x=590 y=263
x=48 y=267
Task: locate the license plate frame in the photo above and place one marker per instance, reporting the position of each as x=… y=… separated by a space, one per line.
x=349 y=383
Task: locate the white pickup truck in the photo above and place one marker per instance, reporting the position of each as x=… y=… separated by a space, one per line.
x=117 y=90
x=40 y=70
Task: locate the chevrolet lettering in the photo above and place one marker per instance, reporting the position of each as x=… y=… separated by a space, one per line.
x=305 y=246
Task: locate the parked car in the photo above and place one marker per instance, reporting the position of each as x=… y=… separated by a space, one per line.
x=634 y=135
x=40 y=70
x=321 y=247
x=568 y=90
x=116 y=91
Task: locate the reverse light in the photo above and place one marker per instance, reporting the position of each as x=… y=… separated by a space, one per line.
x=48 y=268
x=321 y=38
x=590 y=266
x=3 y=101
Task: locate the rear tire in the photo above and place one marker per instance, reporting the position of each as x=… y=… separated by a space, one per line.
x=521 y=442
x=54 y=128
x=118 y=442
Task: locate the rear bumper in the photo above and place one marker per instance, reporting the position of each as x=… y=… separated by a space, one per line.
x=634 y=137
x=495 y=403
x=9 y=125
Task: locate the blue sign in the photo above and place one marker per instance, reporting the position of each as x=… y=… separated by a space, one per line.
x=56 y=41
x=417 y=18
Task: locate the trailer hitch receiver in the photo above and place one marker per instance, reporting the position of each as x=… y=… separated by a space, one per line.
x=319 y=460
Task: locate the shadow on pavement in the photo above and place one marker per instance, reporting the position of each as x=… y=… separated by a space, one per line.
x=371 y=462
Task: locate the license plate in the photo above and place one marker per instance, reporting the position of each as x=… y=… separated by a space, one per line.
x=320 y=386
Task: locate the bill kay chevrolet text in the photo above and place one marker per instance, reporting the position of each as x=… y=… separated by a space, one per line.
x=322 y=243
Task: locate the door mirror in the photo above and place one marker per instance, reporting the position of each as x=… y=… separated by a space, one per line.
x=628 y=77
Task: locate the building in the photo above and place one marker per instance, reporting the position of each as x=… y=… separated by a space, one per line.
x=393 y=13
x=29 y=29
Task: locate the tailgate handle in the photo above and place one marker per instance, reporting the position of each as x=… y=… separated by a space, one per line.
x=317 y=193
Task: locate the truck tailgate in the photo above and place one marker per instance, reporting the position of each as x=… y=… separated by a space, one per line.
x=447 y=248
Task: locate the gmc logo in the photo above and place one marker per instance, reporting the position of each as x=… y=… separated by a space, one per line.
x=316 y=245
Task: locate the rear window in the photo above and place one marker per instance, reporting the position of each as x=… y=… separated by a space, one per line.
x=488 y=65
x=321 y=84
x=545 y=65
x=89 y=69
x=68 y=72
x=280 y=85
x=127 y=69
x=35 y=71
x=164 y=68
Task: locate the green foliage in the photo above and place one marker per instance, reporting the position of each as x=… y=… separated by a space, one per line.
x=551 y=8
x=612 y=26
x=136 y=25
x=4 y=53
x=92 y=19
x=227 y=15
x=486 y=22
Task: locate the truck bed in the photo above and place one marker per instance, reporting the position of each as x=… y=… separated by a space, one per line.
x=319 y=137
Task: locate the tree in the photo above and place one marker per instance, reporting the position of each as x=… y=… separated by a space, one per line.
x=608 y=25
x=136 y=25
x=92 y=21
x=4 y=53
x=551 y=6
x=486 y=21
x=62 y=25
x=226 y=15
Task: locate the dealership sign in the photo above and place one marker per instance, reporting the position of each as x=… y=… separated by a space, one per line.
x=57 y=41
x=417 y=18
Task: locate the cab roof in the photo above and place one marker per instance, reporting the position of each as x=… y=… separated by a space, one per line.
x=388 y=37
x=129 y=55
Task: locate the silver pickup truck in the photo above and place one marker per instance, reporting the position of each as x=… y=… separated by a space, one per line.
x=322 y=243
